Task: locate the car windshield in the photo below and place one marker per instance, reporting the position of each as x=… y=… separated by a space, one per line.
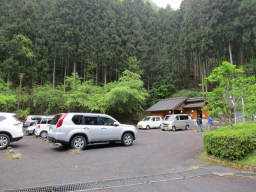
x=146 y=119
x=169 y=118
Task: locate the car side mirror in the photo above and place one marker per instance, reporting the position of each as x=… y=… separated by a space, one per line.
x=116 y=124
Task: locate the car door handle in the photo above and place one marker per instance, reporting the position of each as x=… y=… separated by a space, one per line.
x=103 y=128
x=86 y=128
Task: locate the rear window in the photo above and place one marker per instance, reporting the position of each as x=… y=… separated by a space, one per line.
x=2 y=118
x=54 y=121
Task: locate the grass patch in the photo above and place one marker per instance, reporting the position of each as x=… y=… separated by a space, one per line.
x=247 y=164
x=248 y=160
x=12 y=154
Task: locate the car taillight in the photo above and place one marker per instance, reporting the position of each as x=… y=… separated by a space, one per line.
x=26 y=118
x=38 y=126
x=60 y=121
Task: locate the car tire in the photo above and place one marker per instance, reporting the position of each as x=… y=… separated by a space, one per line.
x=44 y=134
x=147 y=127
x=78 y=142
x=186 y=127
x=4 y=141
x=127 y=139
x=173 y=128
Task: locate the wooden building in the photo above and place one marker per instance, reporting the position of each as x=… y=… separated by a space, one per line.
x=179 y=105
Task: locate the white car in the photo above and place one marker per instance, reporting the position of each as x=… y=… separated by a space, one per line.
x=42 y=128
x=31 y=129
x=31 y=120
x=150 y=122
x=11 y=129
x=177 y=121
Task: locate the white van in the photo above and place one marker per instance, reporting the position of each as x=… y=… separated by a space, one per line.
x=150 y=122
x=177 y=121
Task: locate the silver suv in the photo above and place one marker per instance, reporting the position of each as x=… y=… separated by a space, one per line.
x=80 y=129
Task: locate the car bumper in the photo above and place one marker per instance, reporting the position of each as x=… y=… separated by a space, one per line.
x=141 y=127
x=16 y=139
x=165 y=128
x=37 y=132
x=57 y=137
x=53 y=140
x=29 y=131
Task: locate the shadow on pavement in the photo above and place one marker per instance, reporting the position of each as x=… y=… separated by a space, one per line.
x=63 y=148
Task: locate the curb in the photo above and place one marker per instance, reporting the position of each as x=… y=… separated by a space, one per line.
x=231 y=164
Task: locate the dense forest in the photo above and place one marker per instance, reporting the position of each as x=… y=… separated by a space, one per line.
x=51 y=41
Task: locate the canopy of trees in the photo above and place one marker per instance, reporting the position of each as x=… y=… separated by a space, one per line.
x=48 y=40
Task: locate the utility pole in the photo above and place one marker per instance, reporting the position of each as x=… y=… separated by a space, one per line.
x=21 y=75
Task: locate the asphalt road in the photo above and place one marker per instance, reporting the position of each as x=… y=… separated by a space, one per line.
x=154 y=152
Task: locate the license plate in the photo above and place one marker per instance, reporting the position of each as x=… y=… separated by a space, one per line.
x=165 y=127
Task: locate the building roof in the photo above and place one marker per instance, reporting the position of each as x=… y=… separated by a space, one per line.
x=194 y=99
x=167 y=104
x=194 y=105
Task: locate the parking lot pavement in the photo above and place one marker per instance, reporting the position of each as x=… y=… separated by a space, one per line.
x=209 y=183
x=44 y=164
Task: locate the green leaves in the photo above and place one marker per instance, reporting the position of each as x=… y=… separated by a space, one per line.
x=8 y=97
x=124 y=96
x=231 y=87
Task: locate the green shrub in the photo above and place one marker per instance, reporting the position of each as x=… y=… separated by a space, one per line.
x=232 y=144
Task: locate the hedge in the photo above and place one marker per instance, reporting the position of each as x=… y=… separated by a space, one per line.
x=231 y=144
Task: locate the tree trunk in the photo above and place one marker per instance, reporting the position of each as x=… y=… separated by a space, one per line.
x=96 y=75
x=230 y=52
x=54 y=72
x=105 y=76
x=74 y=70
x=65 y=73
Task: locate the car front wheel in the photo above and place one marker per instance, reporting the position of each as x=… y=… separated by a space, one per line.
x=78 y=142
x=4 y=141
x=127 y=139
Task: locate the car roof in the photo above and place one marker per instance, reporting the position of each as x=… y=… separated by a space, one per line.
x=176 y=114
x=91 y=114
x=7 y=114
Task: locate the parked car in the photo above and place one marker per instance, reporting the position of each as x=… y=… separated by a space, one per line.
x=150 y=122
x=10 y=129
x=31 y=129
x=31 y=119
x=80 y=129
x=42 y=128
x=177 y=121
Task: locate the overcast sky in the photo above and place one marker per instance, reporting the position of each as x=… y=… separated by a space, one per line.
x=175 y=4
